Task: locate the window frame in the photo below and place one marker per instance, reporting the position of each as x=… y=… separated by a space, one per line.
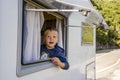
x=37 y=66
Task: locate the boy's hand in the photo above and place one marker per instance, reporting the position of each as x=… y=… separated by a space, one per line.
x=58 y=62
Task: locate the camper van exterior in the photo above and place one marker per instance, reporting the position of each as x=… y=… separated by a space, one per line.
x=22 y=23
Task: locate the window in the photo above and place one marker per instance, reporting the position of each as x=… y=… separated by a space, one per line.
x=87 y=33
x=32 y=25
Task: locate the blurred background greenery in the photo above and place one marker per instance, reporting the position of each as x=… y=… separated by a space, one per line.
x=110 y=10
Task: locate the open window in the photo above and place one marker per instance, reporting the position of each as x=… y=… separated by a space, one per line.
x=33 y=25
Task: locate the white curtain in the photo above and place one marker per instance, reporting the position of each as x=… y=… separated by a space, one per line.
x=32 y=35
x=59 y=28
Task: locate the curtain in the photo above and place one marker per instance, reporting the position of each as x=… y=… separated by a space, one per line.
x=33 y=22
x=59 y=28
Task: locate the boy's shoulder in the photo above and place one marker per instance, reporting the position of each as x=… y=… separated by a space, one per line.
x=43 y=46
x=58 y=48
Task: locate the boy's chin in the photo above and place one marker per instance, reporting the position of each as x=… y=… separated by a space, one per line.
x=50 y=47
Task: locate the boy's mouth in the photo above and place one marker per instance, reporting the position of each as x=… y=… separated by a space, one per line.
x=51 y=42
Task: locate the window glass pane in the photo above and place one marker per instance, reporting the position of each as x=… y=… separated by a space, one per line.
x=87 y=33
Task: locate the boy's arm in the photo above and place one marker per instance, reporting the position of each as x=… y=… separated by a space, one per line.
x=58 y=62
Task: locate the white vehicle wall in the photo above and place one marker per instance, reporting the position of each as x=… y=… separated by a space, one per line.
x=80 y=56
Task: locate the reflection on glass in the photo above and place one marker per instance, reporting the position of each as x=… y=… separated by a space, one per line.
x=87 y=33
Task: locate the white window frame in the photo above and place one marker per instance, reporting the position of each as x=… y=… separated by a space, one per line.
x=33 y=66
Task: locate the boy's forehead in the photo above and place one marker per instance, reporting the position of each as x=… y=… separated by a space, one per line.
x=50 y=32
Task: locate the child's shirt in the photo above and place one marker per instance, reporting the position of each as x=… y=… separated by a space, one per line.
x=55 y=52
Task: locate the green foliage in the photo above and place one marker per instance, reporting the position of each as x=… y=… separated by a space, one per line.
x=102 y=36
x=110 y=9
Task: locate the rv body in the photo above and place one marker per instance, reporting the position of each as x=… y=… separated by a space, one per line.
x=80 y=53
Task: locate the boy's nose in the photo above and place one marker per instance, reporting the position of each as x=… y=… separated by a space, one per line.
x=51 y=38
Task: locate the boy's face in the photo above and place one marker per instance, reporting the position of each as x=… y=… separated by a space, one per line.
x=50 y=38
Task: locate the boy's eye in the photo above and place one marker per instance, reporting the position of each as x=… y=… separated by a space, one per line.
x=54 y=36
x=48 y=36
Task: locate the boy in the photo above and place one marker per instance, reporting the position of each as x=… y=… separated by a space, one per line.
x=52 y=50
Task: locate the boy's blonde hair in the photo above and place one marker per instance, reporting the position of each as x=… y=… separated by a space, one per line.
x=50 y=29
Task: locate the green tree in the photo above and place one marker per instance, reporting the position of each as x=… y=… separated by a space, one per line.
x=110 y=9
